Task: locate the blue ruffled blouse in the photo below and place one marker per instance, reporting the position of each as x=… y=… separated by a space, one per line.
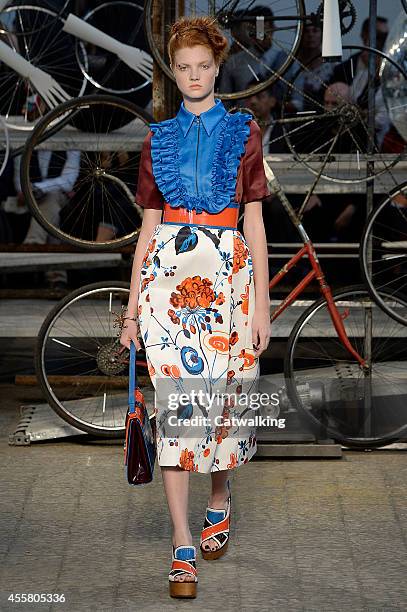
x=195 y=158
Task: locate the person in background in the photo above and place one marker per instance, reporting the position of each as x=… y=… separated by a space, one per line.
x=335 y=217
x=307 y=73
x=240 y=68
x=266 y=108
x=356 y=63
x=53 y=175
x=355 y=72
x=313 y=73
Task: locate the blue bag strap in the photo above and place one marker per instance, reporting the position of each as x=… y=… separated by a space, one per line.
x=132 y=376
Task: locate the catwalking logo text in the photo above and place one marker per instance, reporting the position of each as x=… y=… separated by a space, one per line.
x=222 y=421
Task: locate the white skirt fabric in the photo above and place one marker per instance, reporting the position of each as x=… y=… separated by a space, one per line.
x=195 y=307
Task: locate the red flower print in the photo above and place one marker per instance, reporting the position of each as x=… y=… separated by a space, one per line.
x=240 y=253
x=234 y=337
x=193 y=293
x=217 y=341
x=220 y=299
x=187 y=460
x=174 y=318
x=146 y=281
x=233 y=461
x=245 y=300
x=249 y=359
x=146 y=259
x=230 y=376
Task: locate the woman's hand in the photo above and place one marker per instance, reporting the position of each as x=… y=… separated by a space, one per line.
x=261 y=330
x=129 y=332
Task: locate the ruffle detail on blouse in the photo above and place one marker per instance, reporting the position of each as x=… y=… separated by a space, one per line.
x=234 y=133
x=228 y=152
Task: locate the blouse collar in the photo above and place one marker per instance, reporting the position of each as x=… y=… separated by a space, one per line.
x=209 y=118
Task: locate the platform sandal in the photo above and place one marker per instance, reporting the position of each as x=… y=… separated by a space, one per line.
x=216 y=527
x=183 y=562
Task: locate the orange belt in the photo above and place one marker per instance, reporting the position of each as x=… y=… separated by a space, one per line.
x=226 y=218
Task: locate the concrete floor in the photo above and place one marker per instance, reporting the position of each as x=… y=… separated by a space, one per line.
x=307 y=535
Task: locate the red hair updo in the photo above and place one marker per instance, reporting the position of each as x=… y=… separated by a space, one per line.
x=191 y=31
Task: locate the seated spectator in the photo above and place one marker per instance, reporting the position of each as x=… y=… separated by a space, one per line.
x=53 y=175
x=335 y=217
x=347 y=71
x=239 y=68
x=308 y=73
x=267 y=110
x=114 y=214
x=355 y=73
x=316 y=73
x=324 y=130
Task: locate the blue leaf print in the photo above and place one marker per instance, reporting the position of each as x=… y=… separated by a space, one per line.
x=185 y=412
x=185 y=240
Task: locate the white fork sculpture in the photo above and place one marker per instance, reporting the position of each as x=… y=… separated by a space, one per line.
x=135 y=58
x=48 y=88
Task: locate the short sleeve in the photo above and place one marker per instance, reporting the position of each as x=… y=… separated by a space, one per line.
x=148 y=195
x=253 y=181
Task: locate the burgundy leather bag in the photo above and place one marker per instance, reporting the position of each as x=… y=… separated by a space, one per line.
x=140 y=444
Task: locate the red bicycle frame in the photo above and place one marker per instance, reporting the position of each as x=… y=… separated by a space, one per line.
x=315 y=273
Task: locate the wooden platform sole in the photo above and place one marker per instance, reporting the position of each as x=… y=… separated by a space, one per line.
x=183 y=589
x=209 y=555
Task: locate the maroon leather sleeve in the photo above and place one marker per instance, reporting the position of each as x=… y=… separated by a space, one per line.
x=148 y=195
x=252 y=183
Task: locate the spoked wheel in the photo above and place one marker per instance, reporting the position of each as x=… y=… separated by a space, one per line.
x=336 y=116
x=394 y=85
x=383 y=252
x=325 y=384
x=82 y=374
x=4 y=145
x=267 y=54
x=36 y=33
x=124 y=21
x=101 y=212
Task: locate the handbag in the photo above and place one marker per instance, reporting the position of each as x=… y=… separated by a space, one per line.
x=140 y=443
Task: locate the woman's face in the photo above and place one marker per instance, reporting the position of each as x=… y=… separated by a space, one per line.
x=195 y=66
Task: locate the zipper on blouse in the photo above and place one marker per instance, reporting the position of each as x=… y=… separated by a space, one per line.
x=198 y=120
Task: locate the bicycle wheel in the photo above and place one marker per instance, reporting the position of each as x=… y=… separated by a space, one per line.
x=394 y=86
x=358 y=408
x=266 y=56
x=54 y=6
x=35 y=33
x=82 y=374
x=103 y=195
x=336 y=116
x=4 y=146
x=383 y=251
x=124 y=21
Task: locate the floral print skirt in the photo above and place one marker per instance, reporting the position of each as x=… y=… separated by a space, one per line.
x=195 y=307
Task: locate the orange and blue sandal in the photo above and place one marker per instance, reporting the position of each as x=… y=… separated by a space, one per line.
x=183 y=562
x=216 y=527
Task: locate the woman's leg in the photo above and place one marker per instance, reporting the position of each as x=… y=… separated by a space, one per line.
x=218 y=499
x=176 y=486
